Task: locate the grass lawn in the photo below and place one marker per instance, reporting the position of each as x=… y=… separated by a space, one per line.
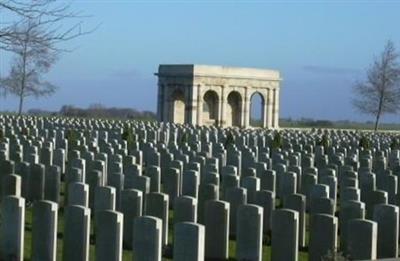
x=127 y=254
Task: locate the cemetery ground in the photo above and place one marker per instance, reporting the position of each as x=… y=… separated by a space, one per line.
x=287 y=194
x=127 y=254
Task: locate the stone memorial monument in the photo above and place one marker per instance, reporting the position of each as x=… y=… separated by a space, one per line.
x=216 y=95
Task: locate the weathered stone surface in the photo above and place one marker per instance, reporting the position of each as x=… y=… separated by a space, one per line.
x=12 y=228
x=76 y=233
x=131 y=207
x=157 y=206
x=285 y=235
x=362 y=241
x=323 y=236
x=109 y=230
x=147 y=242
x=189 y=242
x=387 y=218
x=349 y=210
x=217 y=229
x=185 y=209
x=297 y=202
x=266 y=82
x=249 y=232
x=44 y=231
x=266 y=200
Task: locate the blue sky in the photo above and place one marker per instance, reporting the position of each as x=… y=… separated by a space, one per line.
x=321 y=48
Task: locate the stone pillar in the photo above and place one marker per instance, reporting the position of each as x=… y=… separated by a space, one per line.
x=269 y=108
x=167 y=104
x=264 y=110
x=246 y=109
x=223 y=103
x=195 y=104
x=199 y=105
x=276 y=108
x=160 y=102
x=188 y=91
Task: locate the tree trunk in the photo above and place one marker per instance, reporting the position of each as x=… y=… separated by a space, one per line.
x=21 y=102
x=378 y=115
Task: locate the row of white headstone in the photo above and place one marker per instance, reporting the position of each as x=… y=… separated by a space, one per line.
x=216 y=192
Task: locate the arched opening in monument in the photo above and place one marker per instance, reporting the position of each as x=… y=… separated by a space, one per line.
x=210 y=108
x=256 y=110
x=234 y=109
x=178 y=107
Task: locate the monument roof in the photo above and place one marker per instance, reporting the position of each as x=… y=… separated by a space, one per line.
x=192 y=70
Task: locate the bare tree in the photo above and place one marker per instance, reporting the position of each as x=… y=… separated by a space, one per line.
x=50 y=14
x=380 y=93
x=32 y=59
x=34 y=37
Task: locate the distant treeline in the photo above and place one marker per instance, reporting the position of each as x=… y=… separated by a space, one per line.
x=305 y=122
x=96 y=111
x=344 y=124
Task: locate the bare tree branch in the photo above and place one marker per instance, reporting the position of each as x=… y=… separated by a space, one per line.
x=48 y=14
x=34 y=56
x=380 y=93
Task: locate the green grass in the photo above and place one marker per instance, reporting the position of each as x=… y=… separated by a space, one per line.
x=127 y=254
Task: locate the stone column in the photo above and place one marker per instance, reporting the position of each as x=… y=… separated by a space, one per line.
x=245 y=109
x=269 y=108
x=199 y=105
x=188 y=94
x=167 y=114
x=264 y=110
x=276 y=108
x=195 y=104
x=222 y=105
x=159 y=102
